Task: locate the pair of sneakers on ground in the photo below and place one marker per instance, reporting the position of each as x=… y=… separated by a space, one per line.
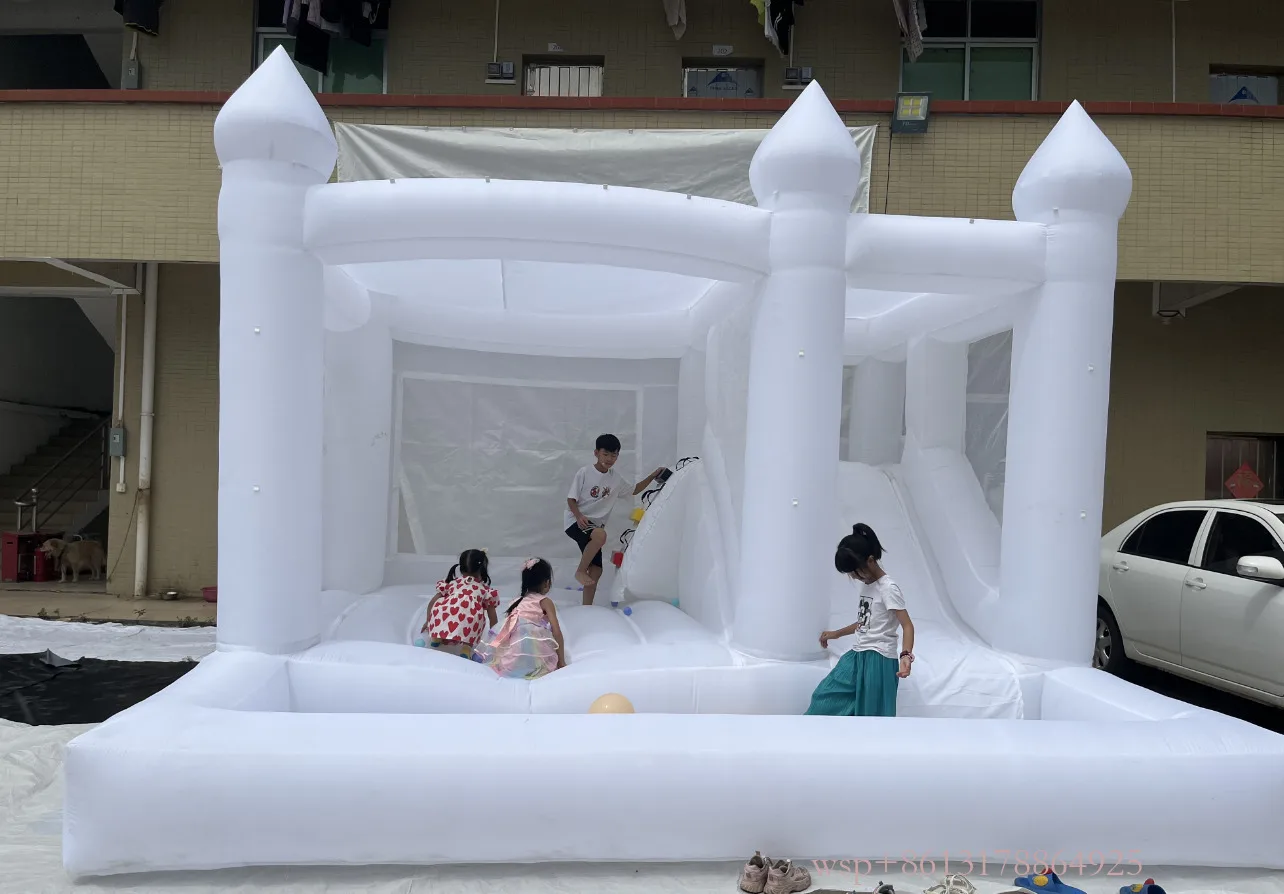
x=762 y=875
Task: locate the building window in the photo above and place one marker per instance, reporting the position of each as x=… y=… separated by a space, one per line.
x=564 y=77
x=353 y=68
x=1243 y=86
x=1240 y=466
x=720 y=80
x=977 y=50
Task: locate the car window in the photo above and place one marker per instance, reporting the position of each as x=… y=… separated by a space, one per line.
x=1234 y=536
x=1167 y=537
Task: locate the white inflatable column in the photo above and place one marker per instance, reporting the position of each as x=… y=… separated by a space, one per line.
x=806 y=172
x=274 y=144
x=877 y=416
x=1078 y=185
x=358 y=457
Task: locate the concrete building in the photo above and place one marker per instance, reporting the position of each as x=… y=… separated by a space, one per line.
x=107 y=167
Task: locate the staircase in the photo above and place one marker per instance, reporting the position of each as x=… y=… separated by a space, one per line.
x=69 y=475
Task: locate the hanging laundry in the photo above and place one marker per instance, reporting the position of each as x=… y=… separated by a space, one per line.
x=676 y=13
x=297 y=11
x=912 y=17
x=140 y=15
x=780 y=24
x=761 y=6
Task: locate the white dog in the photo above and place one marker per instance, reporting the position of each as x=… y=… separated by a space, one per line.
x=78 y=555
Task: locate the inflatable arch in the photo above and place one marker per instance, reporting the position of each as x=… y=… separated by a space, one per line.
x=317 y=734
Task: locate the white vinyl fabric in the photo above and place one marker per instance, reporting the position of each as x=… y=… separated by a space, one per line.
x=709 y=163
x=317 y=734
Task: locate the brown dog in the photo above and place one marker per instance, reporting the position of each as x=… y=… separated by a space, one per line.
x=78 y=555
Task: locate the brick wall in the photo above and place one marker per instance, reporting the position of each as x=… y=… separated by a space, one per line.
x=184 y=523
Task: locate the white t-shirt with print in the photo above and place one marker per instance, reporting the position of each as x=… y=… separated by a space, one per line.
x=879 y=628
x=595 y=493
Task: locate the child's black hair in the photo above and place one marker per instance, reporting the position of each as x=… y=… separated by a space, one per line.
x=856 y=549
x=474 y=563
x=609 y=443
x=533 y=580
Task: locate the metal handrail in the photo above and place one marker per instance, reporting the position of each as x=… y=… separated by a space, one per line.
x=29 y=497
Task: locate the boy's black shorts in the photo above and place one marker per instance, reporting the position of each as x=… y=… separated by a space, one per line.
x=581 y=538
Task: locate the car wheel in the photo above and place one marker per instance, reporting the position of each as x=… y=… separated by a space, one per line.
x=1107 y=647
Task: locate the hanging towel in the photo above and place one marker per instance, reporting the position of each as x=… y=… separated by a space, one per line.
x=676 y=12
x=140 y=15
x=761 y=6
x=912 y=17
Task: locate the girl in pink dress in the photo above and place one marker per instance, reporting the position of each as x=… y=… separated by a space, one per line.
x=530 y=643
x=465 y=601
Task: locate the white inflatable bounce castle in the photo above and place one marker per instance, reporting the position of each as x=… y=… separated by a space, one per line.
x=404 y=362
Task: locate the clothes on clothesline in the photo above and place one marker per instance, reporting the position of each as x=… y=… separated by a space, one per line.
x=779 y=24
x=140 y=15
x=675 y=11
x=312 y=24
x=912 y=17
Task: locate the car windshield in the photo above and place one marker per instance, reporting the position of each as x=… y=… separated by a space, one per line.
x=1280 y=516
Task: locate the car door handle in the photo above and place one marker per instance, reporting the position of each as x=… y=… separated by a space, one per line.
x=1121 y=567
x=1197 y=585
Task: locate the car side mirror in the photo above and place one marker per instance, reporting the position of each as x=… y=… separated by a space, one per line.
x=1260 y=568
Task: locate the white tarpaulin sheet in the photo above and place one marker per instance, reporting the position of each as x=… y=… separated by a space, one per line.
x=108 y=642
x=709 y=163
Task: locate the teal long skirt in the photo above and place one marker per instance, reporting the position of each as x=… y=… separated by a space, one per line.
x=862 y=684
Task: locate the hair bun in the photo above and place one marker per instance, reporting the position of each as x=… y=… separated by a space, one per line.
x=856 y=528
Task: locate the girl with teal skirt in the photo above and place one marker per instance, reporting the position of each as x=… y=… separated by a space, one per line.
x=864 y=682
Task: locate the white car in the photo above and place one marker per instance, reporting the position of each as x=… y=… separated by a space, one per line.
x=1197 y=589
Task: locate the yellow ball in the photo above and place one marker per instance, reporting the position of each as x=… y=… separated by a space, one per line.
x=611 y=703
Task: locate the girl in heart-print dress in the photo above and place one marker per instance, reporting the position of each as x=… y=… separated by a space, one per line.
x=464 y=603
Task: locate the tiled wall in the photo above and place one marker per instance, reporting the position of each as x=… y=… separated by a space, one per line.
x=440 y=47
x=1103 y=50
x=1107 y=50
x=141 y=181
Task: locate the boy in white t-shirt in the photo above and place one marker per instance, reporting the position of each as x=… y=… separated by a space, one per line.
x=588 y=505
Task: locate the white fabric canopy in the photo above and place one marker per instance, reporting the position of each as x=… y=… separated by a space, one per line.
x=710 y=163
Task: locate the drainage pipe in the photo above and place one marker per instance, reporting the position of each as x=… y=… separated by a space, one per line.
x=146 y=415
x=121 y=356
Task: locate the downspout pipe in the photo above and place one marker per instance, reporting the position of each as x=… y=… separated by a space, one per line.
x=122 y=353
x=146 y=416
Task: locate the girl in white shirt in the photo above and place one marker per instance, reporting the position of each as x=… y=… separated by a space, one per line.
x=864 y=682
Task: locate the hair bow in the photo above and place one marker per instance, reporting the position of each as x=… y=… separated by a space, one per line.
x=529 y=564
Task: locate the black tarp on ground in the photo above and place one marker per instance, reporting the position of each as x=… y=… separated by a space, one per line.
x=43 y=689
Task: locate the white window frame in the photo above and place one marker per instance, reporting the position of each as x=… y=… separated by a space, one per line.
x=263 y=34
x=530 y=64
x=967 y=44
